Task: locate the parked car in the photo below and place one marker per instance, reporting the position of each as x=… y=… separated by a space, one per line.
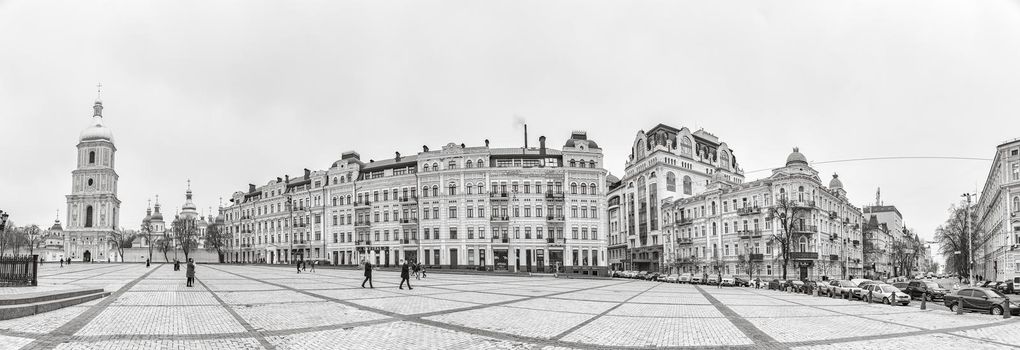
x=979 y=299
x=712 y=280
x=671 y=278
x=986 y=284
x=640 y=275
x=727 y=280
x=916 y=289
x=861 y=292
x=845 y=288
x=741 y=282
x=792 y=285
x=1016 y=284
x=887 y=293
x=685 y=278
x=697 y=279
x=809 y=286
x=901 y=285
x=651 y=276
x=775 y=284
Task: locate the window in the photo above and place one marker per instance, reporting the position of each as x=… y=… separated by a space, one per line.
x=573 y=232
x=453 y=233
x=685 y=146
x=1016 y=171
x=573 y=188
x=425 y=168
x=670 y=182
x=468 y=164
x=453 y=212
x=1016 y=205
x=687 y=184
x=92 y=157
x=803 y=244
x=452 y=189
x=469 y=188
x=451 y=165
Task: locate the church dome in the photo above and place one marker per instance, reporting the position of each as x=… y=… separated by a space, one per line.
x=96 y=130
x=796 y=158
x=835 y=183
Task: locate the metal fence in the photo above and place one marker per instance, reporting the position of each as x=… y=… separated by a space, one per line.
x=19 y=270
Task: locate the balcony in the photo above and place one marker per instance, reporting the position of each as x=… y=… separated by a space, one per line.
x=749 y=210
x=409 y=221
x=363 y=204
x=499 y=219
x=685 y=221
x=499 y=195
x=747 y=234
x=550 y=240
x=410 y=199
x=834 y=257
x=804 y=255
x=409 y=241
x=363 y=242
x=554 y=218
x=554 y=195
x=500 y=240
x=756 y=257
x=803 y=204
x=362 y=223
x=684 y=241
x=805 y=228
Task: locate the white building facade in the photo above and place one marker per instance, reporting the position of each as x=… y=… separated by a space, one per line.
x=998 y=211
x=92 y=207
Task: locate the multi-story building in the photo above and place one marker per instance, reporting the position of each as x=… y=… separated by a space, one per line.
x=728 y=228
x=516 y=209
x=92 y=207
x=664 y=162
x=998 y=215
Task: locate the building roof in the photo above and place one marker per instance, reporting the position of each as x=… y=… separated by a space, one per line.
x=796 y=158
x=96 y=131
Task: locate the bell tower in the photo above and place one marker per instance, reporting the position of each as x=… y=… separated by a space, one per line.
x=93 y=210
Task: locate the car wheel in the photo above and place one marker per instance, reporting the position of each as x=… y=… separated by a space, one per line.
x=997 y=310
x=886 y=301
x=952 y=307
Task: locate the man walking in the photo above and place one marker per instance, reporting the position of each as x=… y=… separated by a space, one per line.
x=417 y=271
x=146 y=263
x=61 y=262
x=719 y=280
x=314 y=262
x=368 y=275
x=298 y=265
x=405 y=275
x=191 y=272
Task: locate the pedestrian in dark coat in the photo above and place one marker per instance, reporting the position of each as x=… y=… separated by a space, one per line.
x=368 y=275
x=61 y=262
x=177 y=265
x=298 y=265
x=405 y=275
x=146 y=263
x=417 y=271
x=191 y=272
x=423 y=275
x=313 y=265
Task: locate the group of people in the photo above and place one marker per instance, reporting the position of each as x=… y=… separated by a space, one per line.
x=302 y=265
x=406 y=269
x=190 y=273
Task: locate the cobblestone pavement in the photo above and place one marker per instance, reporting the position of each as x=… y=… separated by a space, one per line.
x=263 y=307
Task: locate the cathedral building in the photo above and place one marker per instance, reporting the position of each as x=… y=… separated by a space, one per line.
x=93 y=210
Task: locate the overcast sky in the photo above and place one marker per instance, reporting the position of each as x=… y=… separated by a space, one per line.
x=230 y=93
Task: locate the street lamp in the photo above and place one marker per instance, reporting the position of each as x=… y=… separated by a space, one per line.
x=970 y=244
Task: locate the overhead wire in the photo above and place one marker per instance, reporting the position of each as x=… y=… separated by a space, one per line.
x=882 y=158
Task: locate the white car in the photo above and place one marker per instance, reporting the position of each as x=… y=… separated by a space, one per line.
x=672 y=278
x=727 y=280
x=886 y=293
x=685 y=278
x=696 y=279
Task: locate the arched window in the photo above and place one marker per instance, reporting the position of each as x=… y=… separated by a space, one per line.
x=334 y=201
x=435 y=166
x=685 y=146
x=480 y=163
x=92 y=157
x=782 y=193
x=591 y=164
x=452 y=189
x=468 y=164
x=573 y=188
x=687 y=185
x=800 y=193
x=724 y=159
x=425 y=191
x=803 y=244
x=469 y=187
x=435 y=190
x=334 y=180
x=451 y=165
x=593 y=189
x=348 y=199
x=713 y=208
x=670 y=182
x=584 y=189
x=1016 y=204
x=88 y=216
x=425 y=168
x=573 y=163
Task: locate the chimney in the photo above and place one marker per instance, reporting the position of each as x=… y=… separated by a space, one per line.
x=486 y=143
x=251 y=188
x=541 y=145
x=525 y=136
x=398 y=156
x=424 y=148
x=307 y=173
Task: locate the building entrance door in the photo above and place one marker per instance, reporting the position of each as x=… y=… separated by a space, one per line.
x=500 y=260
x=803 y=272
x=527 y=259
x=556 y=259
x=540 y=260
x=453 y=258
x=87 y=257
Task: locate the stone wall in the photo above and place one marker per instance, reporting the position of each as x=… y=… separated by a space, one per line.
x=140 y=254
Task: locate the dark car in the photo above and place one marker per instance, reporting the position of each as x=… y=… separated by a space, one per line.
x=774 y=284
x=741 y=282
x=917 y=288
x=809 y=287
x=793 y=286
x=979 y=299
x=651 y=276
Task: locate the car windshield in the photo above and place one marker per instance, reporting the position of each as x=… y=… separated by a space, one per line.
x=931 y=285
x=994 y=294
x=846 y=284
x=890 y=289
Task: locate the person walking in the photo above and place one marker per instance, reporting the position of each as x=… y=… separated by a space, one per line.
x=368 y=275
x=146 y=263
x=719 y=281
x=405 y=275
x=61 y=262
x=423 y=274
x=304 y=265
x=298 y=265
x=417 y=271
x=191 y=272
x=314 y=262
x=177 y=265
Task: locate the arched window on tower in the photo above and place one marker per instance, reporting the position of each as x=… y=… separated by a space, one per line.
x=92 y=157
x=88 y=216
x=800 y=193
x=685 y=146
x=687 y=185
x=670 y=182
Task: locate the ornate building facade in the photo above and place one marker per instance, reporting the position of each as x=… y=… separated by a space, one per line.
x=998 y=210
x=511 y=209
x=92 y=207
x=664 y=162
x=726 y=229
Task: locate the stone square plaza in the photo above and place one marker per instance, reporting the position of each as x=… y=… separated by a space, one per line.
x=273 y=307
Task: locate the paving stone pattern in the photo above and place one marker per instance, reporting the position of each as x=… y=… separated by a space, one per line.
x=263 y=307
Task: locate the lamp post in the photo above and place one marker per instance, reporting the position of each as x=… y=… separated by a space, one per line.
x=3 y=220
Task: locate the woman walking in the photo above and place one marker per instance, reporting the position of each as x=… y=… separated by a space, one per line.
x=191 y=272
x=368 y=275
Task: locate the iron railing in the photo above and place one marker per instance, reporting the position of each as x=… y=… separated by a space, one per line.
x=19 y=270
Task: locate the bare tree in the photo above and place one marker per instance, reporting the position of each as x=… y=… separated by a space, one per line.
x=146 y=234
x=186 y=232
x=165 y=245
x=952 y=238
x=903 y=254
x=216 y=239
x=32 y=234
x=7 y=237
x=791 y=216
x=120 y=239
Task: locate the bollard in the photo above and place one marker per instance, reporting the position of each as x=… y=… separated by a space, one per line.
x=871 y=296
x=892 y=299
x=1005 y=309
x=924 y=298
x=959 y=308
